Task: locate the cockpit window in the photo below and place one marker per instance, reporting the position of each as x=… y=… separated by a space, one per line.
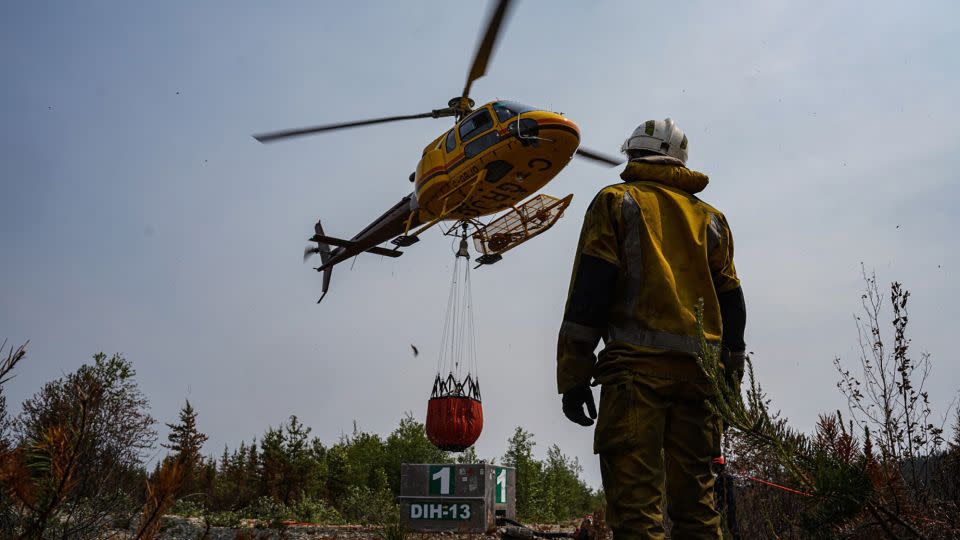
x=508 y=109
x=475 y=124
x=451 y=142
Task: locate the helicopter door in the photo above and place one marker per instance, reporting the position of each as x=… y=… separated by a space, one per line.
x=481 y=122
x=475 y=124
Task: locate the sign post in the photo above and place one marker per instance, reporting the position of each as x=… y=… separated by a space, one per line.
x=465 y=498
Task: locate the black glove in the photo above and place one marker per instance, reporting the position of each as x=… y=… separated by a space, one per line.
x=573 y=402
x=733 y=366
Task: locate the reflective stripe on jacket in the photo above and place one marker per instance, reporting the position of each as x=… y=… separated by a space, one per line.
x=649 y=250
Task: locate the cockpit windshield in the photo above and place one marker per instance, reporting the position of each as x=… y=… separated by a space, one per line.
x=508 y=109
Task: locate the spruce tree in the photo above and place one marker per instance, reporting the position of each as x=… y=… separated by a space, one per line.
x=186 y=442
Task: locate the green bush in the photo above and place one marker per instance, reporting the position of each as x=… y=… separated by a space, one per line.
x=309 y=510
x=267 y=509
x=364 y=505
x=187 y=508
x=223 y=519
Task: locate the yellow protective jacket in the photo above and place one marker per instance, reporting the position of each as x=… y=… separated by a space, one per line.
x=648 y=251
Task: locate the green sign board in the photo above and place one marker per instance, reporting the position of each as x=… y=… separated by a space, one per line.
x=456 y=497
x=442 y=479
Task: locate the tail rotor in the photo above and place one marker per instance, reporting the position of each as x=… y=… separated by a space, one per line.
x=323 y=249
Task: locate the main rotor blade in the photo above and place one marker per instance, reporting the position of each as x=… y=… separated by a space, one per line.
x=299 y=132
x=597 y=156
x=485 y=48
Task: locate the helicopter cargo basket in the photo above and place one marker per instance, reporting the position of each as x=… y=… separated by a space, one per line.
x=518 y=225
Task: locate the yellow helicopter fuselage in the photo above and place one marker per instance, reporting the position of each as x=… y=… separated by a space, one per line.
x=492 y=159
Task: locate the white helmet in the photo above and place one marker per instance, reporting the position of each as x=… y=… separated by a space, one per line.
x=658 y=136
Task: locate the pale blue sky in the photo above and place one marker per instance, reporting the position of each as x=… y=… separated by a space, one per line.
x=140 y=216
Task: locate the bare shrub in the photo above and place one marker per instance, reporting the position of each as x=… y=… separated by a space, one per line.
x=881 y=471
x=15 y=478
x=888 y=399
x=80 y=441
x=13 y=357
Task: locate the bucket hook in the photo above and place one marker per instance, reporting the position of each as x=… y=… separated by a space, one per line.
x=463 y=252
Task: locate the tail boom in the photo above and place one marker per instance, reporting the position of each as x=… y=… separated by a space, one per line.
x=389 y=225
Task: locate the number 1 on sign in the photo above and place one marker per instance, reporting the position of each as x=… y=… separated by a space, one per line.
x=444 y=476
x=501 y=486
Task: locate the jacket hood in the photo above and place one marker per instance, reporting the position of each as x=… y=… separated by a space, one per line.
x=669 y=173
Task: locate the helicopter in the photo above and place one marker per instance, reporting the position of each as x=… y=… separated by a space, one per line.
x=495 y=158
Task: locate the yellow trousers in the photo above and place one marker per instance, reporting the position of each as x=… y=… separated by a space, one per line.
x=656 y=437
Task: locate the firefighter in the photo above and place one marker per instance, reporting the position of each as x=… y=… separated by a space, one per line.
x=649 y=251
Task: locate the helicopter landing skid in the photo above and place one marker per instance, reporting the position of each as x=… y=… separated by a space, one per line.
x=488 y=259
x=405 y=241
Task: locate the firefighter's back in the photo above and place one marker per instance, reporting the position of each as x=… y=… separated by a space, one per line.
x=676 y=251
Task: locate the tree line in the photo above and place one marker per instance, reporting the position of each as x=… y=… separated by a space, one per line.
x=72 y=463
x=289 y=475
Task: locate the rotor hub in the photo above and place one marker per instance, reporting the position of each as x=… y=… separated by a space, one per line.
x=461 y=104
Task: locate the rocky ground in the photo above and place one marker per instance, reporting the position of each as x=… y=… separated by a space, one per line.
x=180 y=528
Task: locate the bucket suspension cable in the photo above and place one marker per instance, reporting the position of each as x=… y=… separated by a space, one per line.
x=471 y=328
x=445 y=334
x=454 y=412
x=457 y=362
